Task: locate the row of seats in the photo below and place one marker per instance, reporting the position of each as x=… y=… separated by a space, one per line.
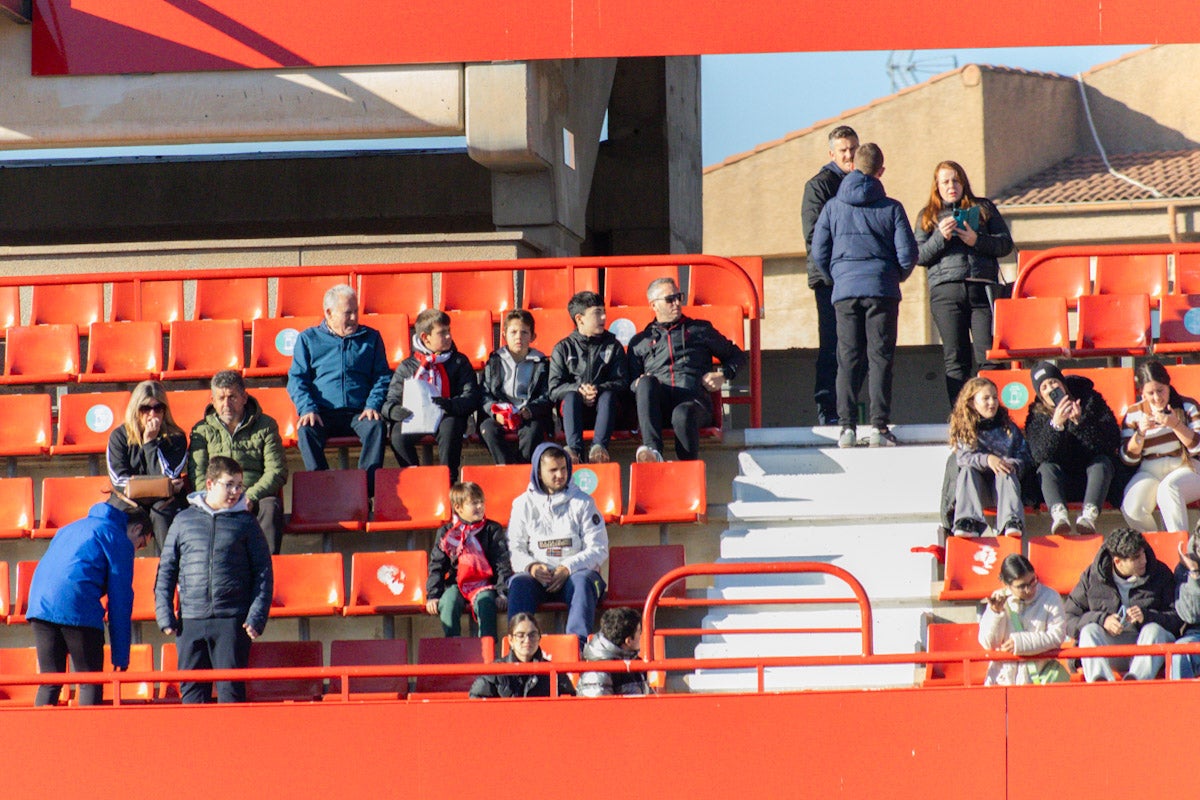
x=381 y=583
x=1070 y=277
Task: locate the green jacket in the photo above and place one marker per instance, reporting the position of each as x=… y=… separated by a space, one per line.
x=255 y=445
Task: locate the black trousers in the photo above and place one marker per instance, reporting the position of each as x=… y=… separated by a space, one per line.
x=213 y=643
x=825 y=386
x=530 y=434
x=866 y=328
x=449 y=436
x=962 y=312
x=86 y=648
x=1063 y=486
x=686 y=409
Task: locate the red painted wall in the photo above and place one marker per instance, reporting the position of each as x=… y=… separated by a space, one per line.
x=122 y=36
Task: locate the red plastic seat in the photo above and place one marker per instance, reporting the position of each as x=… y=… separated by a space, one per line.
x=1178 y=324
x=1187 y=273
x=668 y=491
x=452 y=650
x=1114 y=383
x=5 y=595
x=973 y=566
x=552 y=288
x=726 y=319
x=123 y=352
x=23 y=578
x=1165 y=545
x=397 y=337
x=603 y=483
x=16 y=512
x=1067 y=277
x=626 y=286
x=87 y=419
x=501 y=483
x=625 y=322
x=329 y=500
x=387 y=583
x=145 y=571
x=490 y=291
x=169 y=662
x=65 y=500
x=10 y=308
x=551 y=325
x=271 y=343
x=412 y=498
x=202 y=348
x=304 y=295
x=24 y=424
x=78 y=304
x=41 y=354
x=187 y=406
x=1185 y=378
x=277 y=404
x=715 y=286
x=369 y=653
x=1129 y=274
x=308 y=585
x=633 y=571
x=1113 y=325
x=1060 y=560
x=18 y=661
x=473 y=335
x=162 y=301
x=560 y=647
x=399 y=293
x=944 y=637
x=267 y=655
x=243 y=299
x=141 y=659
x=1014 y=389
x=1030 y=328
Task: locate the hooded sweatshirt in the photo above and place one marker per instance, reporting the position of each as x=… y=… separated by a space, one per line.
x=560 y=529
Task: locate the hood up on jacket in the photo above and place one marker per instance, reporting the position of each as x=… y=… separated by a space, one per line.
x=859 y=189
x=197 y=499
x=535 y=477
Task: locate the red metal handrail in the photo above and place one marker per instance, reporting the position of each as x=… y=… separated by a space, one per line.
x=1075 y=251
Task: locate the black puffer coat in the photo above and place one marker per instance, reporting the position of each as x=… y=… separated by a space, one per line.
x=1096 y=595
x=519 y=685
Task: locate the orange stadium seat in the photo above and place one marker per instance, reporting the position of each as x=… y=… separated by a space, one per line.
x=399 y=293
x=1165 y=545
x=308 y=585
x=168 y=662
x=715 y=286
x=304 y=295
x=24 y=424
x=501 y=483
x=329 y=500
x=267 y=655
x=391 y=582
x=162 y=301
x=560 y=647
x=412 y=498
x=65 y=500
x=202 y=348
x=243 y=299
x=1066 y=277
x=78 y=304
x=479 y=291
x=452 y=650
x=973 y=566
x=551 y=325
x=18 y=661
x=1178 y=324
x=85 y=421
x=1113 y=325
x=1060 y=560
x=625 y=322
x=473 y=335
x=271 y=344
x=626 y=286
x=603 y=483
x=367 y=653
x=123 y=352
x=1015 y=391
x=188 y=406
x=141 y=659
x=1187 y=273
x=397 y=336
x=1185 y=378
x=669 y=491
x=633 y=571
x=1129 y=274
x=23 y=577
x=41 y=354
x=16 y=508
x=1030 y=328
x=5 y=594
x=277 y=404
x=145 y=570
x=944 y=637
x=1114 y=383
x=551 y=289
x=10 y=308
x=726 y=319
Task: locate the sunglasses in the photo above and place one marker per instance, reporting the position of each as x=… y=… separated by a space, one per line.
x=672 y=298
x=151 y=407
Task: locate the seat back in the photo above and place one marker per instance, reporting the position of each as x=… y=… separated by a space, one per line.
x=10 y=307
x=552 y=288
x=23 y=580
x=123 y=351
x=24 y=424
x=41 y=353
x=388 y=582
x=1060 y=560
x=633 y=571
x=625 y=322
x=85 y=420
x=5 y=592
x=145 y=571
x=399 y=293
x=726 y=319
x=551 y=325
x=473 y=335
x=1130 y=274
x=973 y=566
x=1068 y=277
x=1113 y=324
x=396 y=334
x=1165 y=545
x=626 y=286
x=308 y=585
x=16 y=511
x=667 y=491
x=501 y=483
x=945 y=637
x=490 y=291
x=18 y=661
x=716 y=286
x=1033 y=327
x=304 y=295
x=1187 y=273
x=168 y=662
x=202 y=348
x=277 y=404
x=603 y=483
x=329 y=500
x=141 y=659
x=1114 y=383
x=369 y=652
x=272 y=342
x=162 y=301
x=78 y=304
x=452 y=650
x=267 y=655
x=1178 y=324
x=65 y=500
x=1014 y=390
x=560 y=647
x=411 y=498
x=243 y=299
x=187 y=406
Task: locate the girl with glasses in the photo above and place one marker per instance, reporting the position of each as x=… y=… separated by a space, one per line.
x=1024 y=617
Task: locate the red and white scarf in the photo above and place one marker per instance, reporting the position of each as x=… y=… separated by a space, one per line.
x=461 y=543
x=432 y=368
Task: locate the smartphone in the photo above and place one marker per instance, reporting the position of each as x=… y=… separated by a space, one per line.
x=1057 y=395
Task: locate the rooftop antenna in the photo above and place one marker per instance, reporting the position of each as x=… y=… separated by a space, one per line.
x=905 y=68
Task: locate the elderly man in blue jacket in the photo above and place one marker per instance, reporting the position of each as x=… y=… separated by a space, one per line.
x=865 y=246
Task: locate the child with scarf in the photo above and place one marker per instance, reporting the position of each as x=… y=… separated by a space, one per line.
x=452 y=383
x=516 y=393
x=468 y=565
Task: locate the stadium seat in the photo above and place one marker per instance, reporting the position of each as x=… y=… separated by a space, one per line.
x=271 y=344
x=123 y=352
x=625 y=322
x=715 y=286
x=329 y=500
x=1113 y=325
x=560 y=647
x=1060 y=560
x=398 y=293
x=168 y=662
x=473 y=335
x=18 y=661
x=10 y=308
x=22 y=578
x=411 y=498
x=1185 y=379
x=501 y=483
x=603 y=483
x=267 y=655
x=944 y=637
x=188 y=406
x=396 y=333
x=626 y=286
x=452 y=650
x=1065 y=277
x=1015 y=391
x=726 y=319
x=162 y=301
x=145 y=571
x=78 y=304
x=364 y=653
x=243 y=299
x=668 y=491
x=479 y=291
x=1187 y=273
x=551 y=325
x=1165 y=545
x=1130 y=274
x=65 y=500
x=5 y=594
x=304 y=295
x=85 y=421
x=16 y=510
x=387 y=583
x=1030 y=328
x=24 y=424
x=973 y=566
x=1114 y=383
x=308 y=585
x=141 y=659
x=41 y=354
x=1178 y=324
x=633 y=571
x=277 y=404
x=551 y=289
x=202 y=348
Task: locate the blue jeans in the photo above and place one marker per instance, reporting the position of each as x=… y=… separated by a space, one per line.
x=1142 y=668
x=1186 y=665
x=342 y=422
x=582 y=593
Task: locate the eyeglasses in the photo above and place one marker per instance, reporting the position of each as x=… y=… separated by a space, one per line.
x=229 y=486
x=1025 y=586
x=149 y=408
x=672 y=298
x=532 y=636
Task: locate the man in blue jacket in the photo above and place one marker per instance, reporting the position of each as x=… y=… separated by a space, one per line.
x=864 y=245
x=86 y=560
x=338 y=381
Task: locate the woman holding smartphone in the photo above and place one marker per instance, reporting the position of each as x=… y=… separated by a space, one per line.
x=961 y=236
x=1024 y=617
x=1160 y=436
x=1073 y=437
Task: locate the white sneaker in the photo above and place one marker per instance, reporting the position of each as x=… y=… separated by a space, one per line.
x=848 y=438
x=1060 y=523
x=647 y=455
x=1085 y=524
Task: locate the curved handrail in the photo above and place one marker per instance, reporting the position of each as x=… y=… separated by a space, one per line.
x=1075 y=251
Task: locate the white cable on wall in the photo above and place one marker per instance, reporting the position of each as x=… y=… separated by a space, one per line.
x=1087 y=110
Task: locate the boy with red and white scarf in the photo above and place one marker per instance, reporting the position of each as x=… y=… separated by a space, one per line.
x=468 y=565
x=452 y=382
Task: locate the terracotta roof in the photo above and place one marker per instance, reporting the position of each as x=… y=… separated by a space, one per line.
x=1085 y=179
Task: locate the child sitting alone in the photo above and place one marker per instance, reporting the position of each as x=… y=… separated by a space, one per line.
x=516 y=393
x=468 y=565
x=992 y=458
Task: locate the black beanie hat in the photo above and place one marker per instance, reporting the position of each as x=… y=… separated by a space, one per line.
x=1042 y=372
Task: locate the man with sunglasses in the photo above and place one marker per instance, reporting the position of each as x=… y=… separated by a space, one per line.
x=671 y=362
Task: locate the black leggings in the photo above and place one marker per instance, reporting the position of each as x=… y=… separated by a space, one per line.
x=86 y=647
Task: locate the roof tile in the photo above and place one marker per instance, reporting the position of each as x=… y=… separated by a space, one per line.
x=1085 y=179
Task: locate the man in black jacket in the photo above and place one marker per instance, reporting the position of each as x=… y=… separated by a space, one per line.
x=217 y=556
x=820 y=189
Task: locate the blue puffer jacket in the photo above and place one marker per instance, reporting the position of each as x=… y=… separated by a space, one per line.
x=330 y=371
x=85 y=561
x=863 y=242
